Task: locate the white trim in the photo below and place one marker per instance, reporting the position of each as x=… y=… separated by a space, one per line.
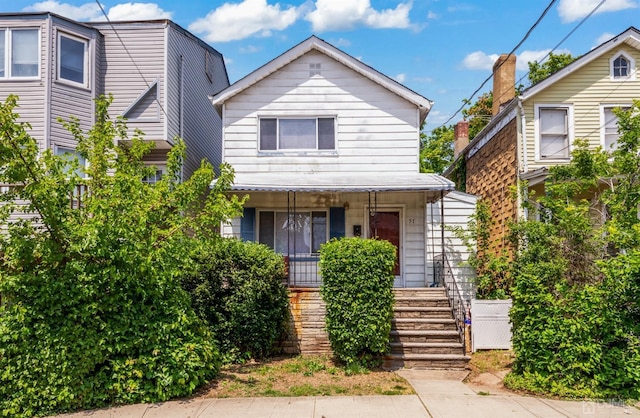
x=85 y=65
x=154 y=84
x=631 y=76
x=570 y=129
x=604 y=106
x=8 y=47
x=298 y=151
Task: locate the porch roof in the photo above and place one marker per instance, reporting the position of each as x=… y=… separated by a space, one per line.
x=341 y=182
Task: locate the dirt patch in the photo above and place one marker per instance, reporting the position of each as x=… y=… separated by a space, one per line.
x=302 y=376
x=488 y=369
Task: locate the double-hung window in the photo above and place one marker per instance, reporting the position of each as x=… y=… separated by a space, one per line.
x=301 y=232
x=19 y=53
x=553 y=132
x=297 y=134
x=610 y=133
x=72 y=59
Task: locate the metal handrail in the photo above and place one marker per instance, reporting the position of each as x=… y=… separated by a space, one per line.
x=454 y=294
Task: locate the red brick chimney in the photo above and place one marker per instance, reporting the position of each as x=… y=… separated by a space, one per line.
x=504 y=80
x=460 y=137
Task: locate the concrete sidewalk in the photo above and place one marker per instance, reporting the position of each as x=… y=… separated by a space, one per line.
x=439 y=395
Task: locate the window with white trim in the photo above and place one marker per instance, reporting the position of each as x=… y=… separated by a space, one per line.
x=622 y=67
x=70 y=154
x=553 y=133
x=19 y=53
x=609 y=125
x=297 y=134
x=156 y=175
x=72 y=59
x=301 y=232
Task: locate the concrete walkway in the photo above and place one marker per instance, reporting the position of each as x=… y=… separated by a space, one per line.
x=439 y=395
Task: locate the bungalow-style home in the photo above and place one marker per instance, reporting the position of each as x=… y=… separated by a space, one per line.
x=325 y=146
x=159 y=74
x=534 y=131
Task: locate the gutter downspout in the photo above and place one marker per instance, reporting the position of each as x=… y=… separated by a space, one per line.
x=525 y=164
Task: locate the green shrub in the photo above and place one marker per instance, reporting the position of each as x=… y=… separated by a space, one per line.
x=93 y=310
x=357 y=286
x=237 y=287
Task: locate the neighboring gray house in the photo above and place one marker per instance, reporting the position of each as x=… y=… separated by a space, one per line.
x=159 y=74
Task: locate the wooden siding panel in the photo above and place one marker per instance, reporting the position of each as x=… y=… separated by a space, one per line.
x=376 y=129
x=585 y=89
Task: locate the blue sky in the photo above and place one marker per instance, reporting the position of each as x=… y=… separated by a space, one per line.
x=441 y=49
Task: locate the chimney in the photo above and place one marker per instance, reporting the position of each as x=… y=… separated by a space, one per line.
x=460 y=137
x=504 y=80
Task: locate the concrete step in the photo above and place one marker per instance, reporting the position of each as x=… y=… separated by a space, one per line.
x=422 y=312
x=421 y=292
x=423 y=324
x=421 y=302
x=426 y=361
x=426 y=348
x=431 y=336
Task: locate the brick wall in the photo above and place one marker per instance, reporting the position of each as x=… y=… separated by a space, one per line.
x=491 y=173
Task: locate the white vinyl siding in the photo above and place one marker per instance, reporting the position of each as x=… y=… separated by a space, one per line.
x=376 y=130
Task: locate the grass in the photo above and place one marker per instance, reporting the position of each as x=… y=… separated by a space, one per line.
x=302 y=376
x=490 y=361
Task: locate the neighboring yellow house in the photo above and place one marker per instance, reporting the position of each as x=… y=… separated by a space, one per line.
x=532 y=132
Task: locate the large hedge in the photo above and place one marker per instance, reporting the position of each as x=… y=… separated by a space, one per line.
x=237 y=288
x=357 y=286
x=93 y=312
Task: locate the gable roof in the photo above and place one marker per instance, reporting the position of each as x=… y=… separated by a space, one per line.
x=631 y=37
x=317 y=44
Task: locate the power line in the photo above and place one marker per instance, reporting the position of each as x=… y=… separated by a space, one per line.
x=537 y=22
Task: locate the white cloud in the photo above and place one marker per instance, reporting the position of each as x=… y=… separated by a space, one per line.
x=341 y=43
x=347 y=14
x=92 y=12
x=250 y=49
x=234 y=21
x=603 y=38
x=138 y=11
x=432 y=15
x=479 y=61
x=400 y=78
x=87 y=11
x=572 y=10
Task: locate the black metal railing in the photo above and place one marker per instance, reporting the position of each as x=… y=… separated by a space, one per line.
x=444 y=277
x=303 y=270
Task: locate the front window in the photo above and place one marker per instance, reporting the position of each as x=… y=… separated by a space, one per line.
x=610 y=128
x=72 y=59
x=553 y=133
x=297 y=134
x=19 y=53
x=293 y=233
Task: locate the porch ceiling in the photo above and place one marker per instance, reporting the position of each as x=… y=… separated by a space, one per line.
x=341 y=182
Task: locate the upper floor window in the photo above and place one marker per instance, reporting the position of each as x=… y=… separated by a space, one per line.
x=70 y=155
x=553 y=132
x=19 y=53
x=297 y=134
x=72 y=59
x=622 y=67
x=609 y=125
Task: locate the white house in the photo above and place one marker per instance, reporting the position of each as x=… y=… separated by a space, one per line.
x=326 y=146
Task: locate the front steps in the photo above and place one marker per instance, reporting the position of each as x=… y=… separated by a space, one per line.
x=423 y=332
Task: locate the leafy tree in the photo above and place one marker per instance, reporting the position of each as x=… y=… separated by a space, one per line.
x=479 y=114
x=553 y=63
x=436 y=150
x=93 y=310
x=575 y=309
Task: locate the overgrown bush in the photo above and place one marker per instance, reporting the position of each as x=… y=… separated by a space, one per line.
x=357 y=287
x=575 y=315
x=237 y=288
x=93 y=312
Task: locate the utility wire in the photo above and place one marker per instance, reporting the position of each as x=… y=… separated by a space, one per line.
x=133 y=61
x=526 y=36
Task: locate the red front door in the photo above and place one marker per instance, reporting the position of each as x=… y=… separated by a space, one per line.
x=386 y=226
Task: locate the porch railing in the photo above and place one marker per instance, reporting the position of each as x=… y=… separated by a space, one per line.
x=460 y=309
x=302 y=270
